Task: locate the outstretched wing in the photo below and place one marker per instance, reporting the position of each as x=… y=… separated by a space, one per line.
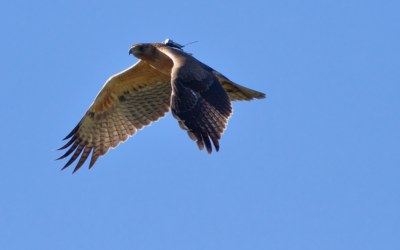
x=198 y=101
x=128 y=101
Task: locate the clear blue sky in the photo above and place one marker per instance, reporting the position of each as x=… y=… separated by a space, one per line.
x=315 y=165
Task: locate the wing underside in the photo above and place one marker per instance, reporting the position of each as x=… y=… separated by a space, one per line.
x=125 y=104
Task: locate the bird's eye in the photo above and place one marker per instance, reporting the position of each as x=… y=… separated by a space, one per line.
x=141 y=48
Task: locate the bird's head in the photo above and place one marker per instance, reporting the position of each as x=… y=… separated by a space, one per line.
x=142 y=50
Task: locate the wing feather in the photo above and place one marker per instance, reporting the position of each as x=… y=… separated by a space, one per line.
x=96 y=154
x=72 y=140
x=118 y=127
x=198 y=101
x=74 y=156
x=70 y=150
x=83 y=158
x=128 y=101
x=105 y=139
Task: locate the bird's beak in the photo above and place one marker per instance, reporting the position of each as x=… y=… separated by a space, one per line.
x=133 y=50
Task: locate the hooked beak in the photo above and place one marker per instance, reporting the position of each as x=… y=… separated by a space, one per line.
x=133 y=50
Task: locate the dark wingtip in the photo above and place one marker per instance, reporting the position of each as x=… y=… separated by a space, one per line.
x=215 y=142
x=74 y=156
x=83 y=158
x=68 y=143
x=72 y=132
x=200 y=145
x=63 y=147
x=262 y=96
x=64 y=168
x=208 y=144
x=95 y=156
x=92 y=162
x=62 y=157
x=70 y=150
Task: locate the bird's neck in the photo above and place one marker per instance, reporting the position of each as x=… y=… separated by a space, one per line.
x=161 y=63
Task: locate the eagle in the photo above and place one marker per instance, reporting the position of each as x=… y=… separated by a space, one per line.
x=165 y=78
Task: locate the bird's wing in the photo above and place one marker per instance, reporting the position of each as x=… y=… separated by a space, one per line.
x=237 y=92
x=198 y=101
x=128 y=101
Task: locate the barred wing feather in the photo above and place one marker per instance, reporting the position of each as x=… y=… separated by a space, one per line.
x=127 y=102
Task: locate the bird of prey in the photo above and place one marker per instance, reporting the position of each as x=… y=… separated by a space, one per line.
x=164 y=78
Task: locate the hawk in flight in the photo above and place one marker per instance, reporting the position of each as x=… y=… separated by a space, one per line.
x=164 y=78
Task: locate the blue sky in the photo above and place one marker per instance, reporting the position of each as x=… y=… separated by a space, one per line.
x=315 y=165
